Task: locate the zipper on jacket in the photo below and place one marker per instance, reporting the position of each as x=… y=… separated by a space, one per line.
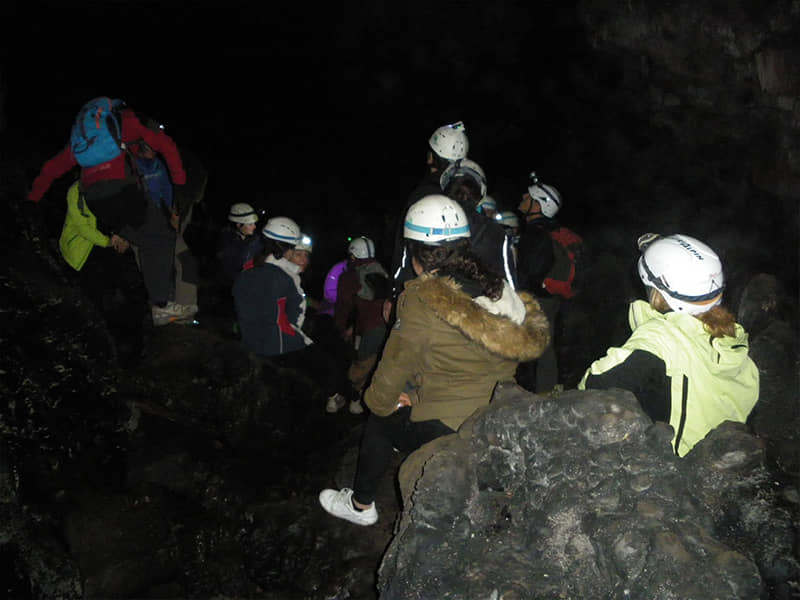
x=682 y=422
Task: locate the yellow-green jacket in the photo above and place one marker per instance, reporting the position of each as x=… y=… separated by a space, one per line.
x=79 y=234
x=453 y=350
x=710 y=380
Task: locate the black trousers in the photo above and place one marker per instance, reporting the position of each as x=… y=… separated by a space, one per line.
x=320 y=366
x=381 y=436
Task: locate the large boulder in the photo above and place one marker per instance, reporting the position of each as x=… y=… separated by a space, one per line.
x=581 y=496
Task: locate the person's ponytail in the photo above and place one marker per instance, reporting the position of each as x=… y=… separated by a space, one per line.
x=719 y=322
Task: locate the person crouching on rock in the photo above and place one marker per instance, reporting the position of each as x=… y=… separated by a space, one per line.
x=460 y=329
x=687 y=359
x=271 y=308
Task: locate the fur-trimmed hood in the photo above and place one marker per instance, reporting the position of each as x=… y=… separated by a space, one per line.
x=498 y=333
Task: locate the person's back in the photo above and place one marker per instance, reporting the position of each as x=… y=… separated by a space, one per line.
x=460 y=329
x=267 y=306
x=465 y=182
x=362 y=288
x=111 y=187
x=453 y=337
x=113 y=190
x=457 y=348
x=687 y=359
x=448 y=143
x=358 y=314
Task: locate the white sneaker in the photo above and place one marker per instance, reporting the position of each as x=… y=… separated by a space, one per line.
x=340 y=504
x=173 y=313
x=356 y=408
x=335 y=402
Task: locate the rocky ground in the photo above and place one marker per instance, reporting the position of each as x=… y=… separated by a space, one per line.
x=194 y=471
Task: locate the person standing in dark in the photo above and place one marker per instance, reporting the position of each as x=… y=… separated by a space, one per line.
x=465 y=182
x=358 y=314
x=446 y=145
x=535 y=259
x=237 y=242
x=113 y=190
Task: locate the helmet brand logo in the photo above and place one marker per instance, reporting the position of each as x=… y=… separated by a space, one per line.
x=689 y=248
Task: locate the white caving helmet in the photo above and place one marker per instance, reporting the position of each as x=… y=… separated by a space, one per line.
x=464 y=167
x=685 y=270
x=243 y=213
x=305 y=243
x=282 y=229
x=435 y=219
x=362 y=247
x=507 y=218
x=450 y=141
x=487 y=203
x=546 y=195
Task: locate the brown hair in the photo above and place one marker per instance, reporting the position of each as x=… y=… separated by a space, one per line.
x=717 y=321
x=455 y=257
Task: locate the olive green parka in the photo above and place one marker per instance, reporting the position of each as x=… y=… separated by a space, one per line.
x=448 y=350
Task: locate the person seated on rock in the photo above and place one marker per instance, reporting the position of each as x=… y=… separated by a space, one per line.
x=687 y=359
x=460 y=329
x=270 y=307
x=237 y=245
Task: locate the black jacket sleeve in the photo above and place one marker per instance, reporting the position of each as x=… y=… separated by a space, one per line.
x=644 y=374
x=534 y=259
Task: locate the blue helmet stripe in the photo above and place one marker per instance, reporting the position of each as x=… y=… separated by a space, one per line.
x=283 y=238
x=437 y=230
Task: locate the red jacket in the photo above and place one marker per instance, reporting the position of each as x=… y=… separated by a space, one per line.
x=132 y=131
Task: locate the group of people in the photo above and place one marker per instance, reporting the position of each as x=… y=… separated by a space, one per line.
x=470 y=300
x=474 y=307
x=128 y=196
x=271 y=304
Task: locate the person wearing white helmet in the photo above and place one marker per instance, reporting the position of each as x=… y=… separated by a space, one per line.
x=535 y=259
x=302 y=252
x=460 y=330
x=535 y=248
x=465 y=182
x=271 y=308
x=358 y=314
x=510 y=222
x=446 y=144
x=464 y=167
x=237 y=244
x=450 y=142
x=687 y=359
x=488 y=207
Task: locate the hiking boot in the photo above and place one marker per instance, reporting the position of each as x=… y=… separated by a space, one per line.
x=340 y=504
x=173 y=313
x=356 y=408
x=335 y=402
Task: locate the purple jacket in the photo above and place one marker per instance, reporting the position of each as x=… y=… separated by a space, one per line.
x=330 y=286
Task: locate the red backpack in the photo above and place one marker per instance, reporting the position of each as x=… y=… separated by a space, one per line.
x=564 y=278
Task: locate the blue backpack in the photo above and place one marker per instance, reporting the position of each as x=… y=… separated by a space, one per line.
x=97 y=132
